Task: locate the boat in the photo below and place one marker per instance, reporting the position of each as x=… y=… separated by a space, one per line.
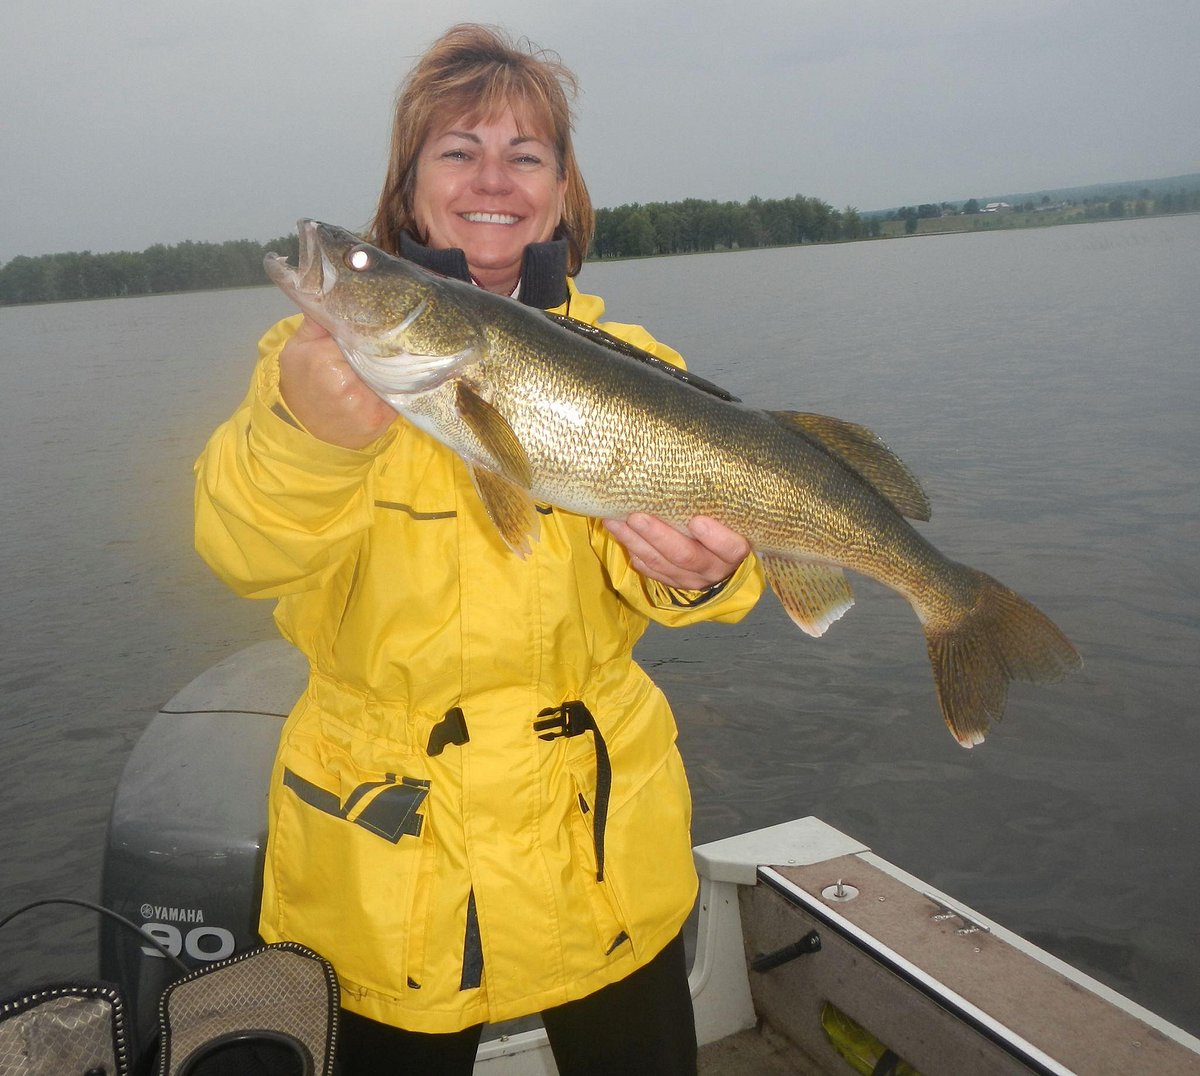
x=812 y=954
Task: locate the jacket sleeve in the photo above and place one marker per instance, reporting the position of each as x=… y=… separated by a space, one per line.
x=276 y=509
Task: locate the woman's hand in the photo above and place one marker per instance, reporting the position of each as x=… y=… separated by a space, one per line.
x=708 y=554
x=322 y=390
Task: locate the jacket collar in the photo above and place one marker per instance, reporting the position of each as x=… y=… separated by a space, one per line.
x=543 y=269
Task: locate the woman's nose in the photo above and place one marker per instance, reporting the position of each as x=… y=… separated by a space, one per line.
x=492 y=176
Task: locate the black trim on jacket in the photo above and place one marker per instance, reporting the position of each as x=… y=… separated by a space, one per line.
x=543 y=269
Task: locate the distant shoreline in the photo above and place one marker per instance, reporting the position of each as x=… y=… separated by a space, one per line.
x=1011 y=219
x=922 y=232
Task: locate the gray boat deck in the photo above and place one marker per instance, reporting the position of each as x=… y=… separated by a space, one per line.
x=761 y=1052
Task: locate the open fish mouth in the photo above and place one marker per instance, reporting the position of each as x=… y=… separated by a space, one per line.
x=313 y=284
x=309 y=283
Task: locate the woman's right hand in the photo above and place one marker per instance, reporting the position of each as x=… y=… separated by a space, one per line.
x=322 y=390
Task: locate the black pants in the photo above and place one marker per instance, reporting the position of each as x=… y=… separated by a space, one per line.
x=644 y=1023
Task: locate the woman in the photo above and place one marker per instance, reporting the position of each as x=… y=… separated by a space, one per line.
x=477 y=811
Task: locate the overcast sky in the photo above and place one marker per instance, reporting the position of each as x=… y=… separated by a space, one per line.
x=161 y=121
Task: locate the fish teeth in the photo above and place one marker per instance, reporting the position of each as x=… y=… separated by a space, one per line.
x=491 y=218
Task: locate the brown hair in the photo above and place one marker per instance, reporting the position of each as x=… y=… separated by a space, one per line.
x=476 y=72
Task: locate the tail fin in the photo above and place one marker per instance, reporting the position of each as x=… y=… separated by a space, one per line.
x=1001 y=638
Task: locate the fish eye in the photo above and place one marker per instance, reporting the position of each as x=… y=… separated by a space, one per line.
x=359 y=258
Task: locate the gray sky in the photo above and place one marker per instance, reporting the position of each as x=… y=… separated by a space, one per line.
x=225 y=119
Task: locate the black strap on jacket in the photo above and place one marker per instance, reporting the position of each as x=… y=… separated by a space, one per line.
x=574 y=719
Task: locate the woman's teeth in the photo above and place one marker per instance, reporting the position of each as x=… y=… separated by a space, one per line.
x=490 y=218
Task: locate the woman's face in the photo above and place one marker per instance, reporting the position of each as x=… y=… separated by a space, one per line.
x=489 y=189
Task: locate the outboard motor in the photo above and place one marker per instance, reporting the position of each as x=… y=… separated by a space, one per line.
x=184 y=854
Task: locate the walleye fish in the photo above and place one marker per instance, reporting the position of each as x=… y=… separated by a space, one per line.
x=543 y=408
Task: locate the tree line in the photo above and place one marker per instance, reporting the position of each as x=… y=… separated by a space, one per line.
x=694 y=225
x=187 y=266
x=638 y=230
x=628 y=231
x=1142 y=204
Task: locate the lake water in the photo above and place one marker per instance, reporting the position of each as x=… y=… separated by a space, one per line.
x=1043 y=384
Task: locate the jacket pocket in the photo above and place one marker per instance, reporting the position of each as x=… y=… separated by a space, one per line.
x=611 y=931
x=352 y=858
x=653 y=886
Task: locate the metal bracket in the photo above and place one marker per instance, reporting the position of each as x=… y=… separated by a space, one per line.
x=945 y=913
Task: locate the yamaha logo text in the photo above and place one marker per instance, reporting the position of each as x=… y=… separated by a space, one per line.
x=161 y=914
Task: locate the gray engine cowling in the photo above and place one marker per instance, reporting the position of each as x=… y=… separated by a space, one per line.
x=184 y=852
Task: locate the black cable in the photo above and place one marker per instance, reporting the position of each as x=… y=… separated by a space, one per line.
x=129 y=924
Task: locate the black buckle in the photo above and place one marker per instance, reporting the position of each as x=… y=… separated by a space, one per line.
x=569 y=719
x=452 y=729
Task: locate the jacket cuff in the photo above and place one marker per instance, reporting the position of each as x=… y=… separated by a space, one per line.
x=680 y=598
x=689 y=599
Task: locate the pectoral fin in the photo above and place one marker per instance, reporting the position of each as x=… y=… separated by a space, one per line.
x=863 y=452
x=814 y=594
x=494 y=433
x=509 y=507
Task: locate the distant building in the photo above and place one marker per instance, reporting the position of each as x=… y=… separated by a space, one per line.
x=995 y=207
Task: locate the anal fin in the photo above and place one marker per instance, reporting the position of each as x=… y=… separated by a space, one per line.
x=813 y=594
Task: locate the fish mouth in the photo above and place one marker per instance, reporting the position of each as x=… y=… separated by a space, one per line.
x=313 y=277
x=309 y=283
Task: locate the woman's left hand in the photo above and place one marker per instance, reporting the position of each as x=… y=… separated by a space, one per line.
x=708 y=554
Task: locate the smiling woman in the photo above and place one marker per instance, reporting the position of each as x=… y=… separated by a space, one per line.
x=449 y=95
x=490 y=190
x=544 y=862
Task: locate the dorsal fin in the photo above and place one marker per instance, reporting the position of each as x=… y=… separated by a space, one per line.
x=615 y=343
x=864 y=453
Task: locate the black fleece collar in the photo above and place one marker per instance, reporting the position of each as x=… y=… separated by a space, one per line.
x=543 y=269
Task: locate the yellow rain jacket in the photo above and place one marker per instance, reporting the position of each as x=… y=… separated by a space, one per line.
x=477 y=810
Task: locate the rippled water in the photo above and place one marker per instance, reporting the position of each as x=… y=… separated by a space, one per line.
x=1044 y=386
